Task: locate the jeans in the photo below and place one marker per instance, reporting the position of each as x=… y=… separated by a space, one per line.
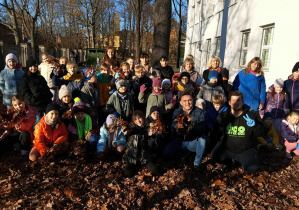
x=92 y=144
x=198 y=145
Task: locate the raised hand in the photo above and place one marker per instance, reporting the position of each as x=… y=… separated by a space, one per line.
x=250 y=122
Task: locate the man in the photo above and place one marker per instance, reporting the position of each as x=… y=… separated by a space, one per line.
x=239 y=128
x=193 y=138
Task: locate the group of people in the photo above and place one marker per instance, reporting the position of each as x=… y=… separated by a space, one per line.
x=142 y=114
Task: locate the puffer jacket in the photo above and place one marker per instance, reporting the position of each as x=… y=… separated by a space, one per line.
x=276 y=106
x=209 y=90
x=181 y=88
x=291 y=88
x=90 y=96
x=46 y=71
x=45 y=136
x=28 y=120
x=10 y=83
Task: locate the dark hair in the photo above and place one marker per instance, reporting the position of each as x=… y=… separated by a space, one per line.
x=235 y=93
x=163 y=57
x=144 y=55
x=106 y=57
x=104 y=66
x=137 y=113
x=186 y=94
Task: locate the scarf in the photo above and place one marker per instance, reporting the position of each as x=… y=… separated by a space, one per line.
x=253 y=72
x=157 y=93
x=83 y=131
x=103 y=79
x=48 y=121
x=75 y=77
x=218 y=69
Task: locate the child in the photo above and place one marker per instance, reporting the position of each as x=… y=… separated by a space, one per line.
x=156 y=98
x=200 y=103
x=137 y=150
x=66 y=103
x=111 y=139
x=271 y=138
x=63 y=61
x=35 y=89
x=166 y=71
x=74 y=79
x=189 y=67
x=167 y=91
x=148 y=70
x=211 y=88
x=83 y=127
x=185 y=85
x=49 y=133
x=212 y=112
x=125 y=73
x=289 y=133
x=10 y=79
x=291 y=88
x=155 y=73
x=90 y=93
x=198 y=85
x=175 y=81
x=110 y=54
x=131 y=62
x=121 y=102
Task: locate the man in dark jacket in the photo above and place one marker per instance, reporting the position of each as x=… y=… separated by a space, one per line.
x=239 y=127
x=166 y=70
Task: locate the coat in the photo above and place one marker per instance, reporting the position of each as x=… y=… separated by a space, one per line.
x=181 y=88
x=10 y=83
x=270 y=133
x=28 y=120
x=45 y=136
x=104 y=85
x=288 y=132
x=46 y=71
x=90 y=96
x=276 y=106
x=209 y=90
x=291 y=88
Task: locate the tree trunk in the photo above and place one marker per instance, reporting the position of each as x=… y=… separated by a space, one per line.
x=162 y=27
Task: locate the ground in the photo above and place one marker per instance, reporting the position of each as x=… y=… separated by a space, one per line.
x=75 y=181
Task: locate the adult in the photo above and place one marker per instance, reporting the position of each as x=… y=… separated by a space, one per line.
x=144 y=60
x=251 y=82
x=291 y=88
x=166 y=70
x=191 y=137
x=239 y=128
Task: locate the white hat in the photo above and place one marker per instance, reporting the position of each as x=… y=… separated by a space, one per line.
x=11 y=56
x=166 y=81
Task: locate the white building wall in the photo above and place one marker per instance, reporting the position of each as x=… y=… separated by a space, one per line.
x=205 y=22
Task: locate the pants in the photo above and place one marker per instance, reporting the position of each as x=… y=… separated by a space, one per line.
x=92 y=144
x=248 y=159
x=25 y=139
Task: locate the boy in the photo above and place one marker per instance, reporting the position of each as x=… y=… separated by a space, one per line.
x=185 y=85
x=213 y=111
x=166 y=71
x=131 y=62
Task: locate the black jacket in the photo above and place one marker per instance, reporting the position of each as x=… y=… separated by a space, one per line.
x=166 y=72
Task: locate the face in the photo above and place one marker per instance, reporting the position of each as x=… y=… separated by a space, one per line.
x=52 y=115
x=11 y=64
x=166 y=87
x=126 y=71
x=277 y=89
x=188 y=66
x=217 y=106
x=175 y=81
x=268 y=121
x=122 y=89
x=131 y=63
x=201 y=106
x=213 y=80
x=19 y=106
x=62 y=61
x=80 y=116
x=72 y=70
x=296 y=74
x=105 y=72
x=139 y=74
x=215 y=63
x=185 y=80
x=163 y=62
x=138 y=121
x=186 y=102
x=157 y=88
x=110 y=53
x=294 y=119
x=254 y=66
x=45 y=58
x=93 y=79
x=144 y=61
x=155 y=115
x=33 y=69
x=66 y=99
x=236 y=103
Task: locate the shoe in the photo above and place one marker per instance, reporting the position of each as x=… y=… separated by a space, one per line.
x=288 y=155
x=196 y=168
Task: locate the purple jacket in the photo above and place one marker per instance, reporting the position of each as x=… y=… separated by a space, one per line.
x=276 y=106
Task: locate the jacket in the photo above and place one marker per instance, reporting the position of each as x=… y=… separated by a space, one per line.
x=104 y=85
x=90 y=96
x=10 y=83
x=253 y=88
x=221 y=71
x=288 y=132
x=276 y=106
x=120 y=139
x=3 y=108
x=166 y=72
x=270 y=133
x=211 y=116
x=28 y=120
x=181 y=88
x=45 y=136
x=209 y=90
x=46 y=71
x=194 y=75
x=291 y=88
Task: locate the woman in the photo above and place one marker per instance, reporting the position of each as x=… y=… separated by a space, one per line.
x=251 y=82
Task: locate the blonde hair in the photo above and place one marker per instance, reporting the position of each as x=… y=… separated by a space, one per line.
x=212 y=59
x=17 y=97
x=218 y=99
x=259 y=67
x=189 y=60
x=70 y=64
x=139 y=68
x=65 y=58
x=292 y=113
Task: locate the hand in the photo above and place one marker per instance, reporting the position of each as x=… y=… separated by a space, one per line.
x=142 y=88
x=87 y=137
x=17 y=127
x=173 y=102
x=261 y=106
x=250 y=122
x=116 y=76
x=120 y=148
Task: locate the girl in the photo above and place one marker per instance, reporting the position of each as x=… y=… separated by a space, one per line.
x=251 y=82
x=49 y=134
x=185 y=85
x=65 y=102
x=112 y=139
x=188 y=66
x=290 y=133
x=35 y=89
x=144 y=62
x=10 y=79
x=131 y=62
x=137 y=150
x=291 y=88
x=125 y=73
x=110 y=55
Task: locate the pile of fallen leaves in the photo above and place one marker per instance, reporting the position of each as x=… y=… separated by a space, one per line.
x=77 y=182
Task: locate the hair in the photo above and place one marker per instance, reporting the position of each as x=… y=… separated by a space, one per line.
x=259 y=67
x=218 y=99
x=186 y=94
x=144 y=55
x=104 y=66
x=214 y=58
x=71 y=64
x=292 y=113
x=17 y=97
x=189 y=56
x=131 y=57
x=63 y=57
x=106 y=57
x=163 y=57
x=136 y=114
x=111 y=62
x=235 y=93
x=139 y=68
x=124 y=64
x=110 y=126
x=189 y=60
x=29 y=73
x=282 y=94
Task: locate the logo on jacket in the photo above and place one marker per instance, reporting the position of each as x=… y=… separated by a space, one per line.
x=235 y=130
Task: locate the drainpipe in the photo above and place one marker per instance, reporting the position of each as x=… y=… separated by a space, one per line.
x=224 y=31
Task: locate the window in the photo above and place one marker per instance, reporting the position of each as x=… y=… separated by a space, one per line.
x=199 y=46
x=208 y=50
x=266 y=45
x=218 y=41
x=244 y=48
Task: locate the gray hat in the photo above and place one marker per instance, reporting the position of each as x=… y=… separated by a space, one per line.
x=279 y=82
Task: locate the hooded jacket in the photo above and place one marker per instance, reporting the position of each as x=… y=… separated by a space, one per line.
x=166 y=72
x=209 y=90
x=291 y=88
x=28 y=120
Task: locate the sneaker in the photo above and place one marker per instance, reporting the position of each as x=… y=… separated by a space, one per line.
x=288 y=155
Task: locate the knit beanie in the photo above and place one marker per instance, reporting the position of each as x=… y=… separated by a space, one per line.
x=78 y=106
x=120 y=83
x=267 y=115
x=213 y=74
x=110 y=119
x=64 y=92
x=154 y=109
x=88 y=73
x=279 y=82
x=199 y=81
x=30 y=62
x=166 y=81
x=53 y=106
x=185 y=74
x=11 y=56
x=157 y=82
x=225 y=74
x=296 y=67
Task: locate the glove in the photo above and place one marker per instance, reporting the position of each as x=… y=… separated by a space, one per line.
x=173 y=102
x=143 y=88
x=250 y=122
x=116 y=76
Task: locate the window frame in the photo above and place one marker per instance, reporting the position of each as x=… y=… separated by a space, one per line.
x=208 y=50
x=244 y=48
x=266 y=47
x=218 y=40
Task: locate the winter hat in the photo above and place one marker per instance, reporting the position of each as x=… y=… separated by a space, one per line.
x=199 y=81
x=53 y=106
x=30 y=62
x=185 y=74
x=279 y=82
x=110 y=119
x=224 y=74
x=157 y=82
x=200 y=101
x=78 y=106
x=120 y=83
x=154 y=109
x=213 y=74
x=166 y=81
x=88 y=73
x=267 y=115
x=11 y=56
x=64 y=92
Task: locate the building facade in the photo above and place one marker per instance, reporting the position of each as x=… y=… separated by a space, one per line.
x=238 y=30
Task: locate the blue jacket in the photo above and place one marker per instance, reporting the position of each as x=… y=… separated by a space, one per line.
x=120 y=139
x=253 y=88
x=10 y=83
x=291 y=88
x=211 y=116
